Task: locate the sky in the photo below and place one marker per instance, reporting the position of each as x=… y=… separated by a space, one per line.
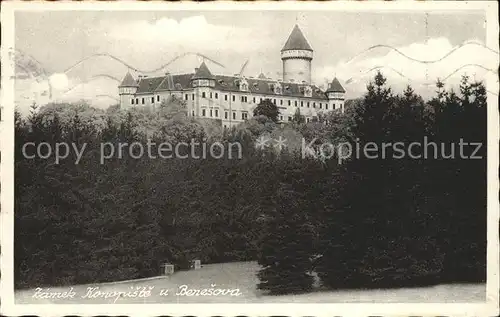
x=57 y=40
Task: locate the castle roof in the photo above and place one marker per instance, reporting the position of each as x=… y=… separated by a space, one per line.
x=203 y=72
x=335 y=86
x=128 y=81
x=260 y=86
x=296 y=41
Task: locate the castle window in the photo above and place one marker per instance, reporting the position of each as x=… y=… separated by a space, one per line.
x=314 y=105
x=225 y=114
x=225 y=97
x=203 y=112
x=308 y=104
x=281 y=118
x=295 y=102
x=274 y=101
x=216 y=113
x=211 y=114
x=142 y=100
x=132 y=101
x=193 y=96
x=136 y=101
x=234 y=115
x=193 y=113
x=326 y=106
x=253 y=99
x=210 y=95
x=307 y=91
x=302 y=104
x=307 y=120
x=186 y=96
x=203 y=95
x=158 y=98
x=289 y=118
x=320 y=105
x=152 y=99
x=281 y=101
x=242 y=98
x=244 y=115
x=234 y=98
x=216 y=96
x=289 y=102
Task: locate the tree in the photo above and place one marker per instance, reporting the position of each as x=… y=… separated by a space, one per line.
x=267 y=108
x=298 y=118
x=285 y=250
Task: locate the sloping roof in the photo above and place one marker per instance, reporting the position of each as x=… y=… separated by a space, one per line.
x=296 y=41
x=229 y=84
x=149 y=84
x=180 y=82
x=262 y=76
x=264 y=86
x=203 y=72
x=335 y=86
x=128 y=81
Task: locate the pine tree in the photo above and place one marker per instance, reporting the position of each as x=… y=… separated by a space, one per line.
x=285 y=250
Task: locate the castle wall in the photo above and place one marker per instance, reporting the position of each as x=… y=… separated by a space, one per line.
x=232 y=108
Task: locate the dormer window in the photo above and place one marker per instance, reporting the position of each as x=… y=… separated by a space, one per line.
x=244 y=85
x=277 y=89
x=307 y=91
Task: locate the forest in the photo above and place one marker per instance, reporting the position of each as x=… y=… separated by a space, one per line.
x=362 y=223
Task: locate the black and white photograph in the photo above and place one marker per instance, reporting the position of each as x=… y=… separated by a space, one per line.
x=258 y=154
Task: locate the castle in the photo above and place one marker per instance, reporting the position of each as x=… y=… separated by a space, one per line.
x=232 y=99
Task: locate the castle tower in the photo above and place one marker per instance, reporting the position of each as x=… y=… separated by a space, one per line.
x=127 y=90
x=203 y=82
x=297 y=56
x=336 y=95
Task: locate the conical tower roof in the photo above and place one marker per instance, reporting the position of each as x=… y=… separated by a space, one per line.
x=203 y=72
x=335 y=86
x=296 y=41
x=128 y=81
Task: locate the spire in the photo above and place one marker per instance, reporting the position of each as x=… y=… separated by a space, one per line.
x=128 y=81
x=296 y=41
x=262 y=76
x=335 y=86
x=203 y=72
